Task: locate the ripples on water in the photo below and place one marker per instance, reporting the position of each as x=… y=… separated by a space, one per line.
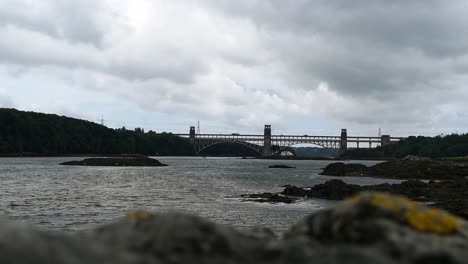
x=40 y=192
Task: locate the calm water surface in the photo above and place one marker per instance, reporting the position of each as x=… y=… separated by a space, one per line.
x=41 y=192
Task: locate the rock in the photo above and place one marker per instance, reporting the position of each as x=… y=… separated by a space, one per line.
x=458 y=207
x=295 y=191
x=418 y=169
x=178 y=238
x=269 y=198
x=394 y=226
x=416 y=158
x=333 y=190
x=408 y=168
x=449 y=195
x=342 y=169
x=22 y=244
x=122 y=161
x=281 y=167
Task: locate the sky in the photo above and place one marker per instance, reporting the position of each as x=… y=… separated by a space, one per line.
x=304 y=66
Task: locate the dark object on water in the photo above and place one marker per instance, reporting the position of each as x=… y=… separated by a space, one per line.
x=281 y=167
x=269 y=198
x=121 y=161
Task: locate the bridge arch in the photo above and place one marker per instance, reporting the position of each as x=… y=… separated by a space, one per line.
x=256 y=148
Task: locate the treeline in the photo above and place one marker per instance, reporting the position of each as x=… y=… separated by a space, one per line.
x=454 y=145
x=48 y=134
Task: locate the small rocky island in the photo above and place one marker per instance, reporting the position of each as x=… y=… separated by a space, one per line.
x=119 y=161
x=372 y=228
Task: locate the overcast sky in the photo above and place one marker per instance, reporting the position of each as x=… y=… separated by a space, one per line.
x=304 y=66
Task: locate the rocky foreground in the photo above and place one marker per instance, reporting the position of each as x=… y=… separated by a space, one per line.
x=408 y=168
x=369 y=228
x=120 y=161
x=450 y=195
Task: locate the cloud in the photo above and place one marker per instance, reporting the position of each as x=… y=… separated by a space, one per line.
x=245 y=62
x=5 y=100
x=73 y=21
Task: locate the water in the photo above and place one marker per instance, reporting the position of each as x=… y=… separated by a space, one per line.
x=41 y=192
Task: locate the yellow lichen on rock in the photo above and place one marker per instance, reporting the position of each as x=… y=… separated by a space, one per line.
x=419 y=217
x=140 y=215
x=432 y=220
x=394 y=203
x=353 y=199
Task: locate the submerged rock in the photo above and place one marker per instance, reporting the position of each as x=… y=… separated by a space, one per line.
x=281 y=167
x=269 y=198
x=369 y=228
x=121 y=161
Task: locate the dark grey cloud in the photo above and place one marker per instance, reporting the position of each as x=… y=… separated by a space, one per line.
x=363 y=46
x=402 y=62
x=73 y=21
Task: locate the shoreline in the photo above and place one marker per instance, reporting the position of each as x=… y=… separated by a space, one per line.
x=54 y=155
x=36 y=155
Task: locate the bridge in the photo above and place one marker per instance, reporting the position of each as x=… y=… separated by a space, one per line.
x=269 y=145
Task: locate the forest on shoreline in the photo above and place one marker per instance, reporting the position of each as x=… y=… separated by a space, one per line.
x=37 y=134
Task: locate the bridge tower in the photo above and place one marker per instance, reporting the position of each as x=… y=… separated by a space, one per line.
x=385 y=140
x=343 y=141
x=192 y=135
x=267 y=141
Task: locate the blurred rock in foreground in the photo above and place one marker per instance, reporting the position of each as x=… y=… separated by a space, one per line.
x=369 y=228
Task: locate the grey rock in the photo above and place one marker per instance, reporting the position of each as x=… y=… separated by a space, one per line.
x=22 y=244
x=342 y=169
x=396 y=227
x=371 y=228
x=180 y=238
x=416 y=158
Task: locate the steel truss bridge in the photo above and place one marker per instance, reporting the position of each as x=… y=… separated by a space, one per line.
x=268 y=144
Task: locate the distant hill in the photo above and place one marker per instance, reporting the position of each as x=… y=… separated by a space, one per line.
x=48 y=134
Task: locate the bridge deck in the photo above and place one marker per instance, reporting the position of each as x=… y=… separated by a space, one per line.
x=289 y=137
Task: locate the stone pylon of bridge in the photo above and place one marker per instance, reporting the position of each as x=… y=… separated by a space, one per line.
x=192 y=135
x=385 y=140
x=343 y=141
x=267 y=141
